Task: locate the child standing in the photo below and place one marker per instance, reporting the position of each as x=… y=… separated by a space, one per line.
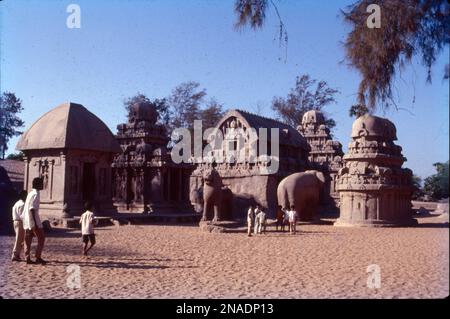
x=87 y=228
x=292 y=219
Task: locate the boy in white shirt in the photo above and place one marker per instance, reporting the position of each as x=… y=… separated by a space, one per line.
x=292 y=219
x=87 y=228
x=17 y=217
x=32 y=222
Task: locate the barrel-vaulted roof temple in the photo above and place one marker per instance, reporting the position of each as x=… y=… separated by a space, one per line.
x=81 y=160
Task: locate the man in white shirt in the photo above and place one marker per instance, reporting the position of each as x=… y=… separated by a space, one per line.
x=250 y=220
x=17 y=217
x=87 y=228
x=32 y=223
x=257 y=210
x=261 y=221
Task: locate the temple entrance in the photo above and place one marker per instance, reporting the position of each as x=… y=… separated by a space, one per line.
x=88 y=190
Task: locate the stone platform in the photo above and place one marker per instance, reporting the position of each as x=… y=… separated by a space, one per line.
x=222 y=226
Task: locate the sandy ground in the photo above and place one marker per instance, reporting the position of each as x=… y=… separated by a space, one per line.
x=156 y=261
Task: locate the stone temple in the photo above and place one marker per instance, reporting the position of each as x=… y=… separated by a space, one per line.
x=325 y=155
x=145 y=177
x=245 y=181
x=374 y=189
x=72 y=150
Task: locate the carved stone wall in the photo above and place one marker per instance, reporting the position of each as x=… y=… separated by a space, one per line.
x=247 y=177
x=325 y=155
x=144 y=174
x=374 y=189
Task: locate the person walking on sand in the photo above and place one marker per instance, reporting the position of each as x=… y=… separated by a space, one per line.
x=250 y=220
x=32 y=222
x=17 y=216
x=292 y=220
x=257 y=210
x=261 y=222
x=87 y=228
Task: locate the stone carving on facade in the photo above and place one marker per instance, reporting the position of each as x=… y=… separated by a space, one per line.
x=145 y=177
x=374 y=189
x=245 y=174
x=326 y=154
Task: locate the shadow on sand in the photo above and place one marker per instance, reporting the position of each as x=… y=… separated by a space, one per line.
x=119 y=264
x=433 y=225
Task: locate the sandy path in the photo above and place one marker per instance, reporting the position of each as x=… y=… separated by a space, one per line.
x=154 y=261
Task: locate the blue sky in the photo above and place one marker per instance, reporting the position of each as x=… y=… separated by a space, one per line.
x=151 y=46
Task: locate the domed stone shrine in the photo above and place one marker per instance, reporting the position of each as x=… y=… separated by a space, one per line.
x=72 y=150
x=373 y=187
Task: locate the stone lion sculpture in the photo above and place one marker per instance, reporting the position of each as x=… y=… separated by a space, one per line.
x=212 y=194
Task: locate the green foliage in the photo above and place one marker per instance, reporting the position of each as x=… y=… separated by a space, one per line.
x=408 y=28
x=417 y=183
x=160 y=105
x=358 y=110
x=187 y=103
x=211 y=114
x=251 y=12
x=436 y=185
x=308 y=94
x=10 y=106
x=16 y=156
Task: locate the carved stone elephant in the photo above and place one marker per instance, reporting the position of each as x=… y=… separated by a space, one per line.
x=212 y=194
x=303 y=191
x=226 y=205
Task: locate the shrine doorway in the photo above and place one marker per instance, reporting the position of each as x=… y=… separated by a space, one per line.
x=88 y=185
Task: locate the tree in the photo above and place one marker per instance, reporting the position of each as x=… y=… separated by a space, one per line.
x=250 y=12
x=160 y=105
x=408 y=28
x=185 y=104
x=304 y=97
x=253 y=13
x=358 y=110
x=417 y=183
x=436 y=185
x=16 y=156
x=211 y=114
x=10 y=106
